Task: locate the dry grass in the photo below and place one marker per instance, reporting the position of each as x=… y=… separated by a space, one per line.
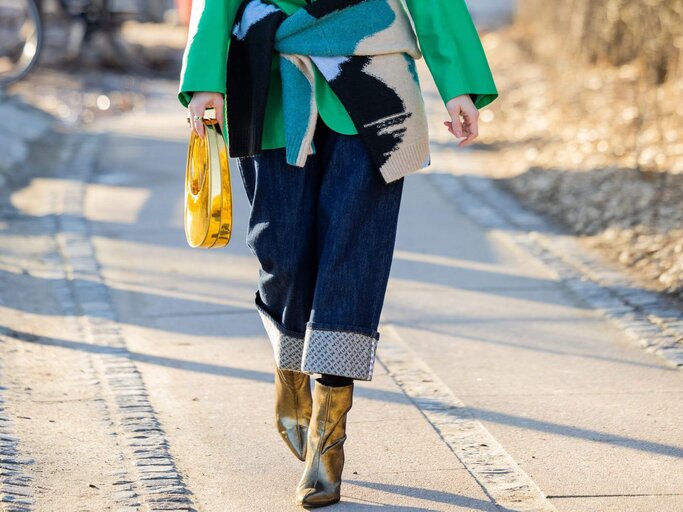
x=614 y=32
x=589 y=125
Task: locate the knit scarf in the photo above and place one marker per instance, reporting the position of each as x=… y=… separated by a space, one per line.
x=365 y=50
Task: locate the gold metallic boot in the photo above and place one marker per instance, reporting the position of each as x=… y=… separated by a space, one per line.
x=293 y=404
x=321 y=481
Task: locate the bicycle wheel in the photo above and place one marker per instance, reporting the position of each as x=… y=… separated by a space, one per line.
x=21 y=39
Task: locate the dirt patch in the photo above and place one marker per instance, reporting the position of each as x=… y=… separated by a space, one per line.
x=596 y=147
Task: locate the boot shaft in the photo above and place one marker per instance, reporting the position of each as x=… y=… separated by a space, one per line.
x=321 y=481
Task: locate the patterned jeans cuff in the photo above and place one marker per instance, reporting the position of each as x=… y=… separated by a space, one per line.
x=288 y=346
x=339 y=352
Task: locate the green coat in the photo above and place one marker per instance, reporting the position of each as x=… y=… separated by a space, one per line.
x=447 y=37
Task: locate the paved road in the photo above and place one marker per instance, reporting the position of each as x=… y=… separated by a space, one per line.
x=135 y=373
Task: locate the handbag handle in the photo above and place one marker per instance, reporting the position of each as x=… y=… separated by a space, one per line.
x=206 y=120
x=209 y=121
x=199 y=153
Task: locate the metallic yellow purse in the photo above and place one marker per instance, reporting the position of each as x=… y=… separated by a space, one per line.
x=208 y=196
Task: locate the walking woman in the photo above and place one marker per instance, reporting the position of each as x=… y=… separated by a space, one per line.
x=321 y=105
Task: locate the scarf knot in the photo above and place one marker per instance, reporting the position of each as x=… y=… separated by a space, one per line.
x=364 y=49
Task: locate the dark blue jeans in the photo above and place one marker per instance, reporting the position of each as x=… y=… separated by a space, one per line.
x=324 y=237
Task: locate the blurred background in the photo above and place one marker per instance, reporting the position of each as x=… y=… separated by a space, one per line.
x=76 y=58
x=587 y=127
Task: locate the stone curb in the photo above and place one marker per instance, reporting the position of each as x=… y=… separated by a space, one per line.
x=502 y=479
x=149 y=479
x=16 y=494
x=652 y=320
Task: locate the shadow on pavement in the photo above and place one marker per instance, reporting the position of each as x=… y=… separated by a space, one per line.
x=369 y=393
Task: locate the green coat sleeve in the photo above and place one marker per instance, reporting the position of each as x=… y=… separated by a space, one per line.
x=452 y=50
x=204 y=59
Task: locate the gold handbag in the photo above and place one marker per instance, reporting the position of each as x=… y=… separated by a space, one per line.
x=208 y=196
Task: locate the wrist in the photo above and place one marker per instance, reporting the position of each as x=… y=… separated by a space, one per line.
x=460 y=98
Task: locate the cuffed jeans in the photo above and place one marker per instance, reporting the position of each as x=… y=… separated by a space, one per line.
x=324 y=237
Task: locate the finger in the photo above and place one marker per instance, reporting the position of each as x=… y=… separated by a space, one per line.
x=190 y=115
x=472 y=119
x=197 y=124
x=219 y=113
x=473 y=129
x=452 y=128
x=466 y=141
x=463 y=134
x=469 y=138
x=193 y=123
x=197 y=107
x=449 y=126
x=458 y=129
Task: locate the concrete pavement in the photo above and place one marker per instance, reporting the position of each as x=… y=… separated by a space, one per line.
x=136 y=374
x=188 y=319
x=490 y=14
x=22 y=125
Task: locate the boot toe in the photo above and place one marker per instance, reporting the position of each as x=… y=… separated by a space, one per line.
x=295 y=439
x=293 y=403
x=312 y=497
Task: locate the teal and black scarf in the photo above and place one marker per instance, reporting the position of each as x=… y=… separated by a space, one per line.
x=365 y=49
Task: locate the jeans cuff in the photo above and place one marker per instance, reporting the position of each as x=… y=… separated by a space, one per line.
x=288 y=346
x=339 y=351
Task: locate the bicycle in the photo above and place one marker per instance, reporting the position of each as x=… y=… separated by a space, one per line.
x=21 y=39
x=24 y=30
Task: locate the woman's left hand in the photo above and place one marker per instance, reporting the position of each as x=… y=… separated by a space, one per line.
x=466 y=129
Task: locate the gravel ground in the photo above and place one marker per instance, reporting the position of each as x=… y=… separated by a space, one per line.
x=595 y=148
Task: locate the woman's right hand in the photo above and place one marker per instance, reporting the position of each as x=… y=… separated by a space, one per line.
x=199 y=103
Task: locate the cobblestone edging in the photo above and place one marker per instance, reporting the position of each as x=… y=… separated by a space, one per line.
x=650 y=319
x=149 y=479
x=16 y=494
x=500 y=477
x=52 y=269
